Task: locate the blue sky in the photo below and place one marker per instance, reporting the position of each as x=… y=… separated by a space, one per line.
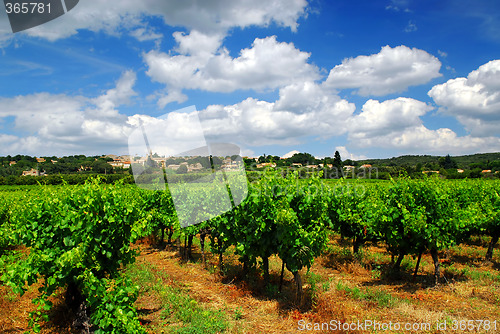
x=371 y=79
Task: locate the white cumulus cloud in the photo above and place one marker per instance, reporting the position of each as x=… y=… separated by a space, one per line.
x=381 y=118
x=392 y=70
x=68 y=124
x=345 y=154
x=290 y=154
x=396 y=124
x=254 y=122
x=268 y=64
x=474 y=101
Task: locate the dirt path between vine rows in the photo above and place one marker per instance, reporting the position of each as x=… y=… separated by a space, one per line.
x=259 y=314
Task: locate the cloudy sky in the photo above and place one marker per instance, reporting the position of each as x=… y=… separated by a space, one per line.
x=370 y=78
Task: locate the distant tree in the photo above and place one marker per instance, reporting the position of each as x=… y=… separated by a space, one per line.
x=102 y=167
x=302 y=158
x=24 y=163
x=280 y=162
x=216 y=161
x=337 y=160
x=150 y=162
x=475 y=173
x=408 y=169
x=447 y=162
x=418 y=168
x=182 y=169
x=172 y=161
x=348 y=162
x=475 y=165
x=495 y=165
x=249 y=162
x=204 y=161
x=283 y=162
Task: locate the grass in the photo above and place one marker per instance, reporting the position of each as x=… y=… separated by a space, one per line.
x=314 y=280
x=382 y=298
x=180 y=313
x=188 y=316
x=478 y=276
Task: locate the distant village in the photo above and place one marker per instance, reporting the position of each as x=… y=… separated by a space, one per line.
x=480 y=165
x=111 y=163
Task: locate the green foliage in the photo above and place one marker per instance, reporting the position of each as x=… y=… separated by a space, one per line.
x=302 y=231
x=111 y=304
x=78 y=236
x=8 y=203
x=280 y=217
x=337 y=161
x=447 y=162
x=354 y=211
x=490 y=209
x=302 y=158
x=182 y=169
x=418 y=216
x=157 y=212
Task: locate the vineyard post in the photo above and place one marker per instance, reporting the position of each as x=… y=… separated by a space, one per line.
x=245 y=260
x=265 y=266
x=162 y=240
x=189 y=254
x=203 y=234
x=491 y=247
x=170 y=233
x=435 y=259
x=298 y=283
x=184 y=253
x=357 y=242
x=397 y=265
x=221 y=260
x=418 y=264
x=281 y=276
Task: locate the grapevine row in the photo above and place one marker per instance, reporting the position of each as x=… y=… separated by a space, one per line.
x=79 y=236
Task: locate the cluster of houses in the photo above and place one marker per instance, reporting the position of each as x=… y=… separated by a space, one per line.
x=122 y=161
x=125 y=161
x=33 y=171
x=484 y=171
x=299 y=165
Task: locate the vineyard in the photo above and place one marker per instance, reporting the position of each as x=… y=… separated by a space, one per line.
x=286 y=241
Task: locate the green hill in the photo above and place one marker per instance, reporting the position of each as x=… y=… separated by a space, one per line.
x=479 y=160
